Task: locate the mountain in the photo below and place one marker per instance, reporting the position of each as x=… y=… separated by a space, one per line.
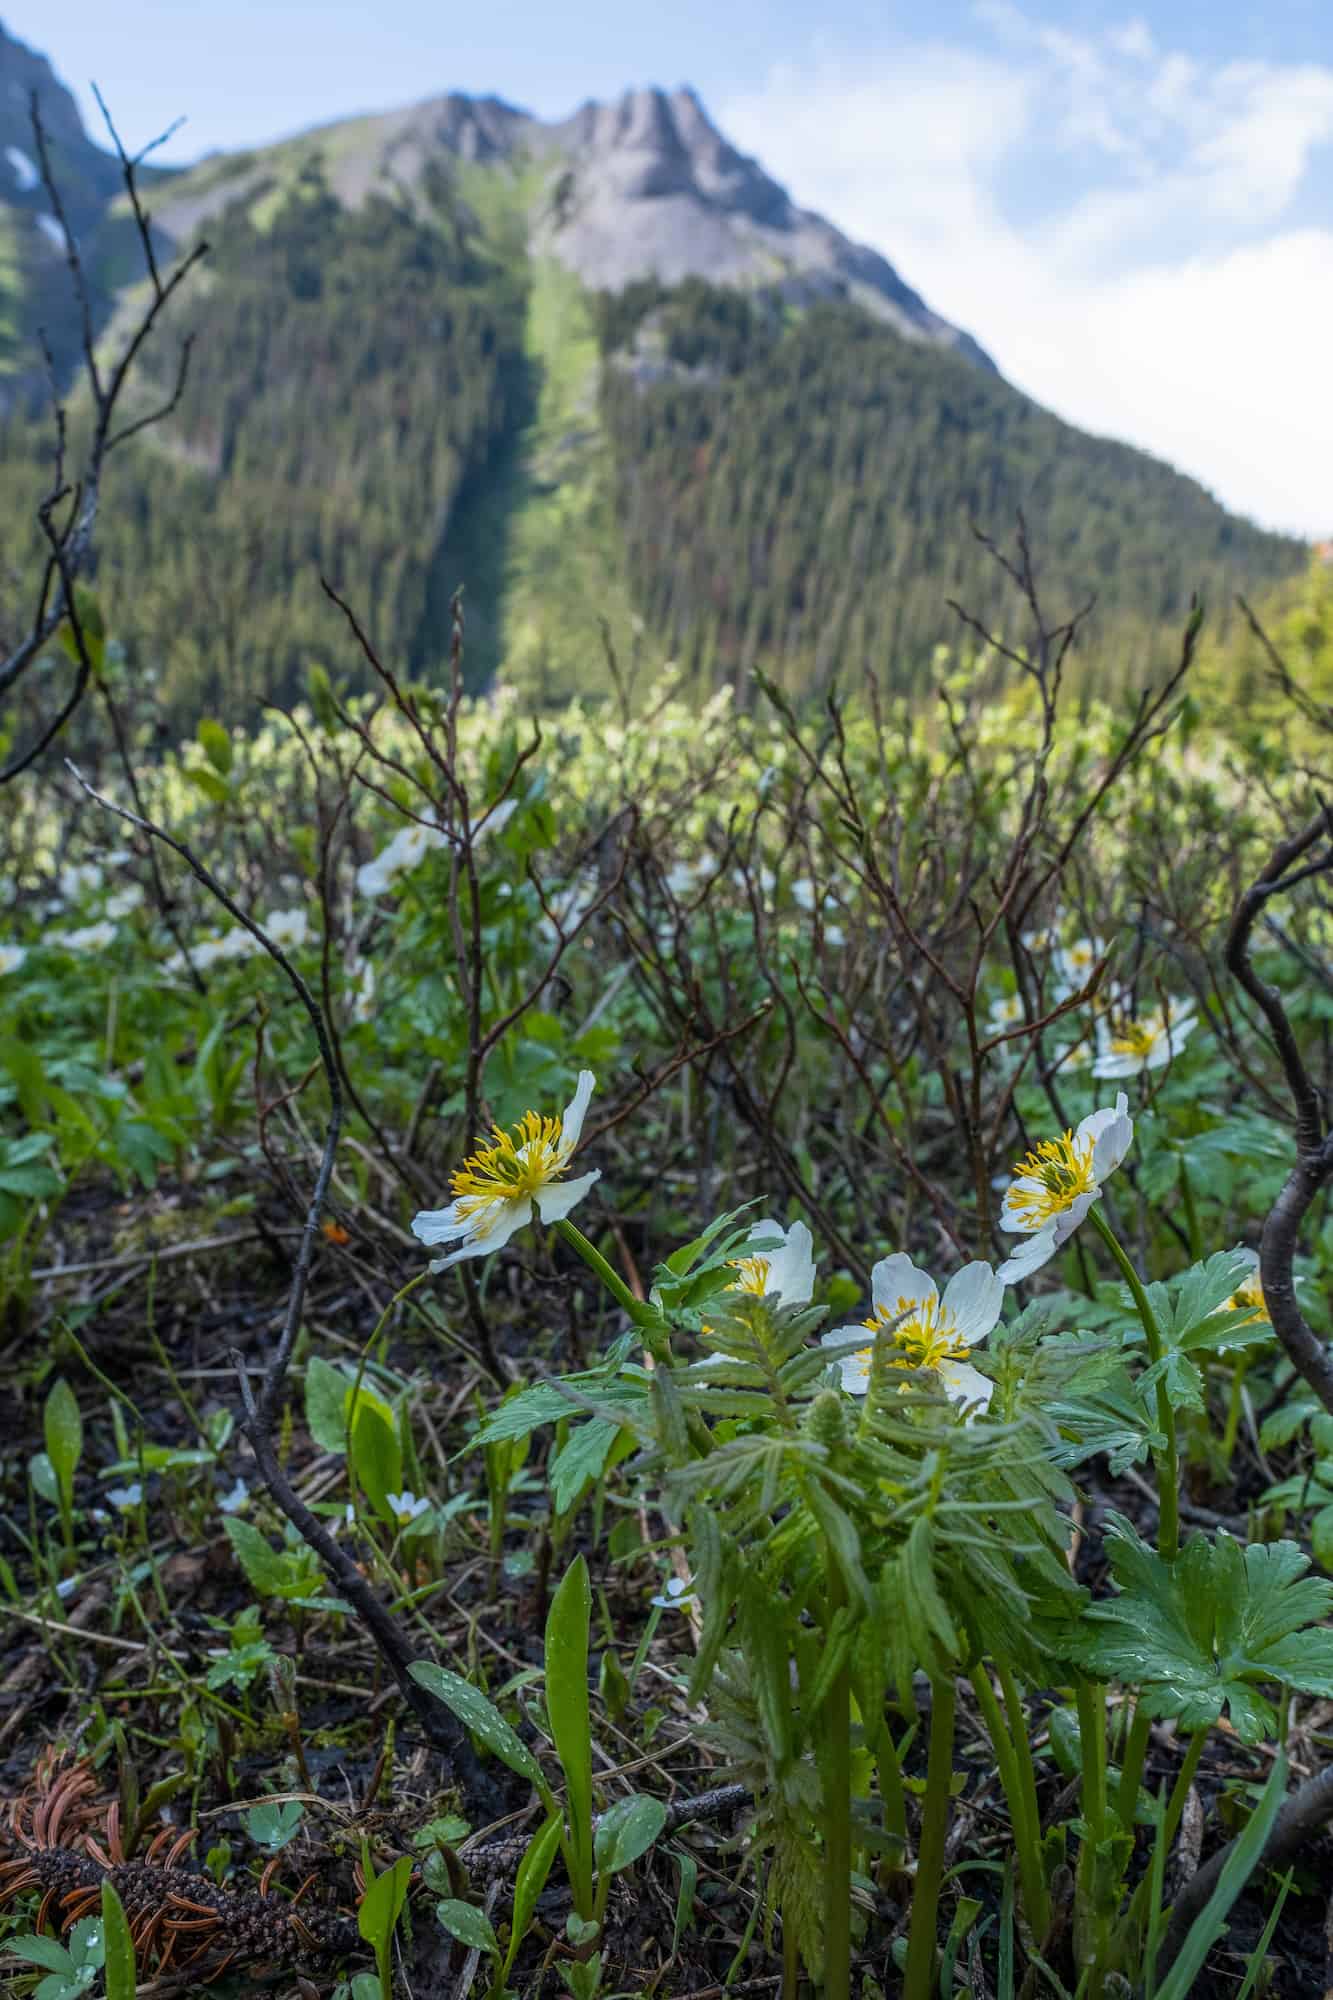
x=595 y=369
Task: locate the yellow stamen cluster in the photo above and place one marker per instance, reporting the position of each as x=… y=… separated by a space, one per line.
x=513 y=1167
x=753 y=1275
x=1249 y=1299
x=924 y=1340
x=1063 y=1167
x=1135 y=1038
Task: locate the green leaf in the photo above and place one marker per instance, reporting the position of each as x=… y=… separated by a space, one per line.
x=265 y=1569
x=484 y=1720
x=34 y=1950
x=529 y=1882
x=208 y=782
x=215 y=742
x=63 y=1429
x=582 y=1459
x=545 y=1403
x=376 y=1456
x=1241 y=1863
x=118 y=1946
x=1196 y=1635
x=627 y=1830
x=567 y=1706
x=469 y=1925
x=383 y=1902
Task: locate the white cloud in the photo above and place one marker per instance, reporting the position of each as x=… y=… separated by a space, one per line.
x=1162 y=291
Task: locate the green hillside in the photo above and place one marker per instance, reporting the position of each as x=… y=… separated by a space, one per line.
x=392 y=385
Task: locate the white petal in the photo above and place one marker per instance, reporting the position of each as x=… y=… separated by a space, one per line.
x=1029 y=1256
x=791 y=1270
x=441 y=1225
x=1067 y=1221
x=1112 y=1133
x=1111 y=1065
x=964 y=1384
x=974 y=1296
x=1249 y=1258
x=554 y=1202
x=897 y=1277
x=511 y=1216
x=571 y=1125
x=1014 y=1216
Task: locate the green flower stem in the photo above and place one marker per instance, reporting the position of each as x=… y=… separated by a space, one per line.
x=1170 y=1824
x=1036 y=1897
x=1168 y=1461
x=1191 y=1207
x=647 y=1318
x=1091 y=1921
x=892 y=1790
x=1236 y=1402
x=837 y=1814
x=1131 y=1768
x=919 y=1979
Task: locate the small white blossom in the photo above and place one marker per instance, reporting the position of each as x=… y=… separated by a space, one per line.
x=124 y=901
x=497 y=1188
x=405 y=1506
x=1074 y=965
x=93 y=937
x=363 y=992
x=788 y=1270
x=122 y=1498
x=677 y=1596
x=287 y=928
x=931 y=1332
x=1005 y=1013
x=232 y=1503
x=11 y=958
x=1056 y=1184
x=78 y=877
x=1126 y=1046
x=408 y=848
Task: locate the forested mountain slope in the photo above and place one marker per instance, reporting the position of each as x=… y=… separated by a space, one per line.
x=600 y=368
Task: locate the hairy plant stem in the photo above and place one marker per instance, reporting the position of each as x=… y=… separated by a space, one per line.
x=837 y=1812
x=1023 y=1818
x=1168 y=1460
x=919 y=1979
x=1091 y=1919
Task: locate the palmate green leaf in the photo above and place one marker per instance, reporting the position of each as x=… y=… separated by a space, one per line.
x=1196 y=1635
x=1113 y=1420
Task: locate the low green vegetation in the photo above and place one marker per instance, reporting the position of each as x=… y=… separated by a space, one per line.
x=661 y=1347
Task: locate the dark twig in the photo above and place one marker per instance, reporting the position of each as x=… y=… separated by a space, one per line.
x=1314 y=1141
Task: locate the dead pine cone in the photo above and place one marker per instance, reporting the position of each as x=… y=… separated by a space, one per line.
x=180 y=1918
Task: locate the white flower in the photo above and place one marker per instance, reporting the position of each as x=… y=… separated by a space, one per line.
x=78 y=877
x=122 y=1498
x=1055 y=1185
x=681 y=878
x=235 y=943
x=67 y=1589
x=1127 y=1046
x=363 y=995
x=232 y=1503
x=408 y=848
x=497 y=1188
x=405 y=1506
x=287 y=928
x=787 y=1271
x=11 y=958
x=678 y=1595
x=93 y=937
x=1074 y=965
x=937 y=1333
x=495 y=820
x=803 y=893
x=1006 y=1012
x=1249 y=1294
x=124 y=901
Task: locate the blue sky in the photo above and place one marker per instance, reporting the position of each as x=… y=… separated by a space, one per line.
x=1130 y=205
